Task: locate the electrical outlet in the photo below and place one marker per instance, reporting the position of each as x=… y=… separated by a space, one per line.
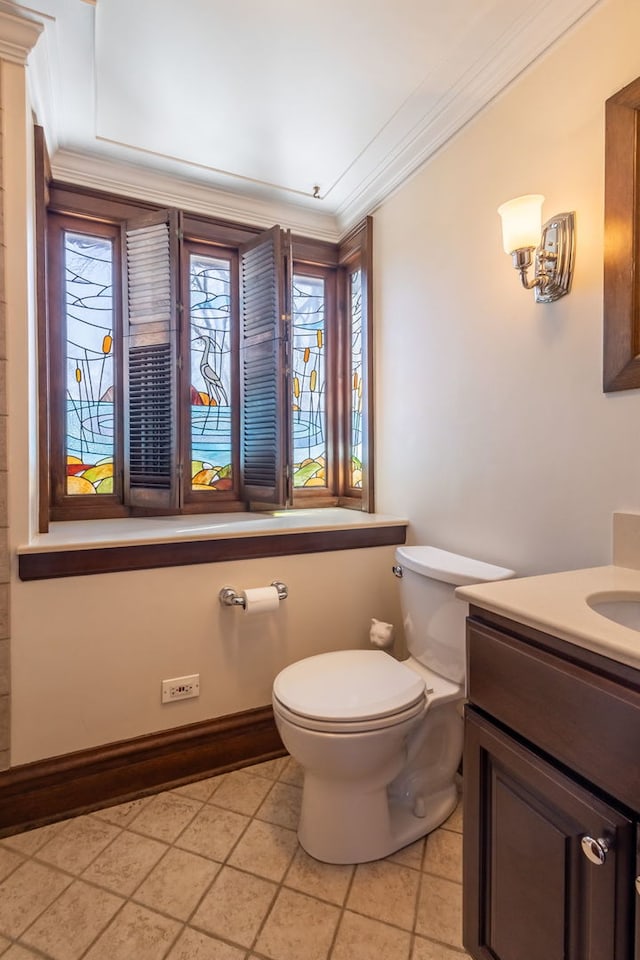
x=181 y=688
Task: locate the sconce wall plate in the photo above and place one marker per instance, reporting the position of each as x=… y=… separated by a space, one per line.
x=555 y=258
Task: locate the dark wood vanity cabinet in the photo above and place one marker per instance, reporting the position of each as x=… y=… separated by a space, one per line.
x=551 y=798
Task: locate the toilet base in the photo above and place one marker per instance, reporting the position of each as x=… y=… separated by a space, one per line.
x=336 y=827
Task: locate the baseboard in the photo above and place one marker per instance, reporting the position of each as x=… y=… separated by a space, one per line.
x=52 y=789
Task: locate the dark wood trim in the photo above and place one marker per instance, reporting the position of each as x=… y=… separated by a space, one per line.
x=200 y=501
x=356 y=252
x=75 y=783
x=42 y=180
x=323 y=496
x=570 y=652
x=621 y=359
x=63 y=505
x=76 y=563
x=74 y=200
x=310 y=252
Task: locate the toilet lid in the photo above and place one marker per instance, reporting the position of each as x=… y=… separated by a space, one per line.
x=348 y=685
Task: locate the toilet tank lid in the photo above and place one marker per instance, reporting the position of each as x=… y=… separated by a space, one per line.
x=449 y=567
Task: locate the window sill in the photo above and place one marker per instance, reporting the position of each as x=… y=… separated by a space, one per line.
x=106 y=546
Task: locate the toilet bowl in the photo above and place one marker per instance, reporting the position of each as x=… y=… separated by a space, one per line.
x=380 y=740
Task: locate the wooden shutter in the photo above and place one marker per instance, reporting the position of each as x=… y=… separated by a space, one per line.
x=265 y=296
x=151 y=253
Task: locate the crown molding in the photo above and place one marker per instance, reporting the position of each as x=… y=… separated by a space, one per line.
x=133 y=180
x=470 y=91
x=18 y=35
x=471 y=76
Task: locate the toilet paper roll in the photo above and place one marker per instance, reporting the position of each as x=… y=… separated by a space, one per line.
x=261 y=600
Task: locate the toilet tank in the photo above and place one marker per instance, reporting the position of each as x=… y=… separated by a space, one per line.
x=434 y=620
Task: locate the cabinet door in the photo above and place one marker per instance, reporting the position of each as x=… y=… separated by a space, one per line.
x=530 y=892
x=637 y=890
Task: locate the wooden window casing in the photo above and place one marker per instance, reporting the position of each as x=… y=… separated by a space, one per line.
x=199 y=501
x=78 y=209
x=62 y=505
x=328 y=495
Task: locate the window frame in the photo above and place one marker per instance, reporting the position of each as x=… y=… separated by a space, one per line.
x=62 y=505
x=94 y=211
x=193 y=501
x=328 y=495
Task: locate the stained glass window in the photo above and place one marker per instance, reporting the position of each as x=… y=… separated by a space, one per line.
x=309 y=382
x=89 y=429
x=356 y=381
x=211 y=428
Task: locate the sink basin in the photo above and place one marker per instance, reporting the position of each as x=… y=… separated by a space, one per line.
x=622 y=608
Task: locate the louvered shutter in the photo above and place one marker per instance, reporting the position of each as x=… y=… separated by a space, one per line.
x=151 y=252
x=265 y=295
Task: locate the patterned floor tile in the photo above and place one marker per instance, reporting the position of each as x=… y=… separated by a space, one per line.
x=444 y=855
x=9 y=860
x=265 y=849
x=328 y=881
x=428 y=950
x=73 y=921
x=166 y=816
x=361 y=938
x=282 y=806
x=125 y=864
x=135 y=933
x=440 y=910
x=194 y=945
x=78 y=843
x=201 y=789
x=242 y=792
x=213 y=832
x=235 y=906
x=212 y=870
x=122 y=813
x=29 y=842
x=176 y=883
x=385 y=891
x=26 y=893
x=298 y=927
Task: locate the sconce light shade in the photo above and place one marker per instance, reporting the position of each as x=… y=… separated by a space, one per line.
x=548 y=247
x=521 y=222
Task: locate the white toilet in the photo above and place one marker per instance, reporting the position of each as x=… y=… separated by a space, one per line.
x=380 y=740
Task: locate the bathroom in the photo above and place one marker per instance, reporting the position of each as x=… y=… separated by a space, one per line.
x=493 y=436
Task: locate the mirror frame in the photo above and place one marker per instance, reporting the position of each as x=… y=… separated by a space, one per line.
x=621 y=354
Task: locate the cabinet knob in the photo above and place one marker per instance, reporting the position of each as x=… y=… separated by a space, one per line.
x=595 y=850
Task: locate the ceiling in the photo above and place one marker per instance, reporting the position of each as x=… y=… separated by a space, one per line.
x=247 y=108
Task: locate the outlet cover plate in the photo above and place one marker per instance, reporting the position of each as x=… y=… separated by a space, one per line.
x=181 y=688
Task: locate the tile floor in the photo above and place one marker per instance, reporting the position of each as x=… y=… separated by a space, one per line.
x=213 y=871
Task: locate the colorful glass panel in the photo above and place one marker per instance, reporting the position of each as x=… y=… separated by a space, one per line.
x=89 y=428
x=211 y=427
x=309 y=382
x=356 y=379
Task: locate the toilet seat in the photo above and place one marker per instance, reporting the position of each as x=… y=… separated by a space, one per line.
x=348 y=685
x=372 y=725
x=349 y=690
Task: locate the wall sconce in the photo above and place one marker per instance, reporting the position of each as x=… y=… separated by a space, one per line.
x=553 y=245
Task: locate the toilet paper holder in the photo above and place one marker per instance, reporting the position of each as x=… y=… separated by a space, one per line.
x=229 y=596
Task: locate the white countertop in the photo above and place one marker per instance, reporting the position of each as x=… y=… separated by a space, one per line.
x=556 y=603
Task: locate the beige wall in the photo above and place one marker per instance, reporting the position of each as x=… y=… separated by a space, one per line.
x=89 y=653
x=494 y=436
